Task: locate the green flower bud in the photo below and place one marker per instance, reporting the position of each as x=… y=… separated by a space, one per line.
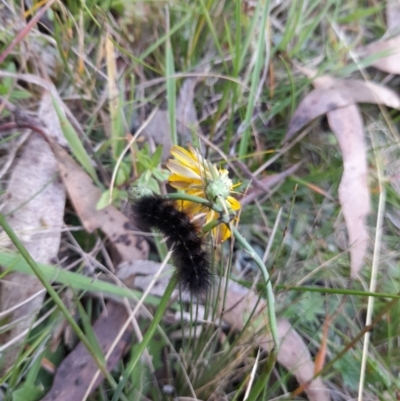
x=138 y=191
x=219 y=188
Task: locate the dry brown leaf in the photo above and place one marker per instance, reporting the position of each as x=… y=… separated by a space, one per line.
x=186 y=115
x=317 y=103
x=84 y=196
x=158 y=128
x=77 y=369
x=393 y=15
x=335 y=95
x=337 y=100
x=140 y=273
x=347 y=125
x=392 y=163
x=387 y=54
x=293 y=353
x=35 y=202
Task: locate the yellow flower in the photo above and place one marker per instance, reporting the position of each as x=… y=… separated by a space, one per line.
x=199 y=177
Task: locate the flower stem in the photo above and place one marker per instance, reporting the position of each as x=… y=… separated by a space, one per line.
x=196 y=199
x=226 y=212
x=209 y=226
x=269 y=293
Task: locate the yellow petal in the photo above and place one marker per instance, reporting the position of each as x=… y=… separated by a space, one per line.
x=178 y=168
x=185 y=157
x=235 y=204
x=181 y=153
x=184 y=185
x=221 y=233
x=190 y=208
x=211 y=215
x=195 y=154
x=196 y=192
x=178 y=177
x=192 y=182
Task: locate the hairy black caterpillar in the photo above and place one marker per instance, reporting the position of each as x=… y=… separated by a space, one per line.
x=191 y=260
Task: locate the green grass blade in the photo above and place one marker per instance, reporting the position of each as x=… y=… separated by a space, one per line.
x=15 y=262
x=245 y=46
x=305 y=33
x=238 y=42
x=171 y=87
x=165 y=38
x=115 y=101
x=213 y=31
x=292 y=22
x=75 y=143
x=261 y=381
x=255 y=79
x=147 y=337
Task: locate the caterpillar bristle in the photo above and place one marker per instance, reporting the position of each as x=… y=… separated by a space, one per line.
x=190 y=258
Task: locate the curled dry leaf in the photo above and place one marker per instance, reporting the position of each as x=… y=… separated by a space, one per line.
x=338 y=94
x=337 y=99
x=347 y=125
x=386 y=53
x=34 y=203
x=293 y=353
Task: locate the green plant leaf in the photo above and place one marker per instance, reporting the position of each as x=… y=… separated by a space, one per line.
x=104 y=200
x=156 y=157
x=28 y=391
